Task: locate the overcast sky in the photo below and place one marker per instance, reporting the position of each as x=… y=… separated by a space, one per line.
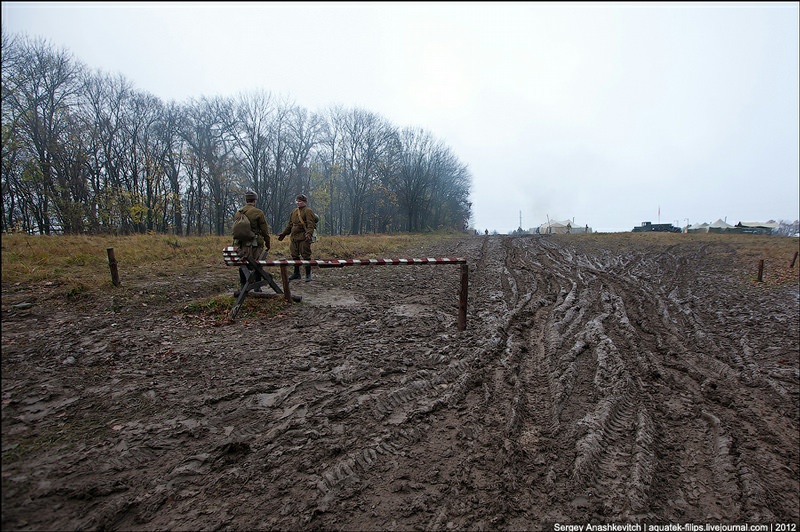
x=610 y=114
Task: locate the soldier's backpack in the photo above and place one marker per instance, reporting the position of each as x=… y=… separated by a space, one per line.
x=242 y=231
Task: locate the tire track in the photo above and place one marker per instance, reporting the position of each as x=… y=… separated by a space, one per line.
x=599 y=380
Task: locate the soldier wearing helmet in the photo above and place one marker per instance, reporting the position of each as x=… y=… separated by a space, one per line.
x=258 y=223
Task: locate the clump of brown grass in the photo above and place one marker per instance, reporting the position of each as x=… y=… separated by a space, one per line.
x=215 y=310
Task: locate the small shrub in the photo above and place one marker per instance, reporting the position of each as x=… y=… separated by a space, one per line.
x=218 y=308
x=216 y=305
x=76 y=291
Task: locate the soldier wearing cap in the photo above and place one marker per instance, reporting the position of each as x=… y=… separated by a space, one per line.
x=300 y=228
x=258 y=222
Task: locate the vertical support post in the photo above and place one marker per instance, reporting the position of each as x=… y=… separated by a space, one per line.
x=112 y=264
x=462 y=297
x=760 y=270
x=794 y=259
x=287 y=295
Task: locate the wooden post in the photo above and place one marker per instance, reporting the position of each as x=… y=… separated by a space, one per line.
x=760 y=270
x=794 y=259
x=285 y=282
x=462 y=297
x=112 y=264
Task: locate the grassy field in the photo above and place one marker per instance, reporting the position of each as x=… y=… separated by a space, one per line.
x=79 y=259
x=82 y=261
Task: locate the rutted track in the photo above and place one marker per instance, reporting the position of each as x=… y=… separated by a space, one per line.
x=591 y=384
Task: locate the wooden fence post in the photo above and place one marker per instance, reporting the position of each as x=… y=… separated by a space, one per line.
x=760 y=270
x=462 y=298
x=794 y=259
x=287 y=295
x=112 y=264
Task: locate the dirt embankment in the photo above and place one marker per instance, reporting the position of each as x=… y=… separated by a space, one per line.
x=594 y=383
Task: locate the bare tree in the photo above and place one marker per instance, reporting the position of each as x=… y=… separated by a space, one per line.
x=415 y=176
x=450 y=190
x=254 y=112
x=105 y=111
x=87 y=152
x=172 y=161
x=209 y=136
x=70 y=193
x=304 y=131
x=42 y=90
x=282 y=173
x=366 y=140
x=14 y=209
x=328 y=162
x=153 y=146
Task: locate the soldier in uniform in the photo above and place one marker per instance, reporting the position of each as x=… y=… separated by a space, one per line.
x=258 y=223
x=300 y=229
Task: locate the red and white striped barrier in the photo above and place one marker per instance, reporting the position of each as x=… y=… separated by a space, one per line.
x=232 y=258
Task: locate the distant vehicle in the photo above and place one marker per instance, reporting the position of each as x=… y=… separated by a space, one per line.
x=648 y=227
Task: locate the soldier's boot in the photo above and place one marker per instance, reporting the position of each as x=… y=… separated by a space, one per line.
x=296 y=274
x=257 y=289
x=308 y=272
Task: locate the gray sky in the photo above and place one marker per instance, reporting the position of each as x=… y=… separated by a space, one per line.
x=606 y=113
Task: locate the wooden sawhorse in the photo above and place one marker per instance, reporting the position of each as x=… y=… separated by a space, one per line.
x=255 y=278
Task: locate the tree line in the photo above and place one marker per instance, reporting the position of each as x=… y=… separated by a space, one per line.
x=86 y=152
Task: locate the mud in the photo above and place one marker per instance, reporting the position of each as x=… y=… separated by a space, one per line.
x=594 y=383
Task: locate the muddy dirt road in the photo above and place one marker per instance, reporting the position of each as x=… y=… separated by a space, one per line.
x=596 y=382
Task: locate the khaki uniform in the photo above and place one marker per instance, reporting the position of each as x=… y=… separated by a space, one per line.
x=258 y=222
x=299 y=245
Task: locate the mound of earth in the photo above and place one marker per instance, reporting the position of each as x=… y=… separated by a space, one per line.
x=594 y=383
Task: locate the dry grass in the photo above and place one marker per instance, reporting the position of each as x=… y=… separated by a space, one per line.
x=80 y=263
x=746 y=251
x=777 y=252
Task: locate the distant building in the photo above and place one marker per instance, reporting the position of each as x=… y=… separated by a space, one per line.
x=720 y=226
x=752 y=228
x=649 y=227
x=755 y=228
x=564 y=227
